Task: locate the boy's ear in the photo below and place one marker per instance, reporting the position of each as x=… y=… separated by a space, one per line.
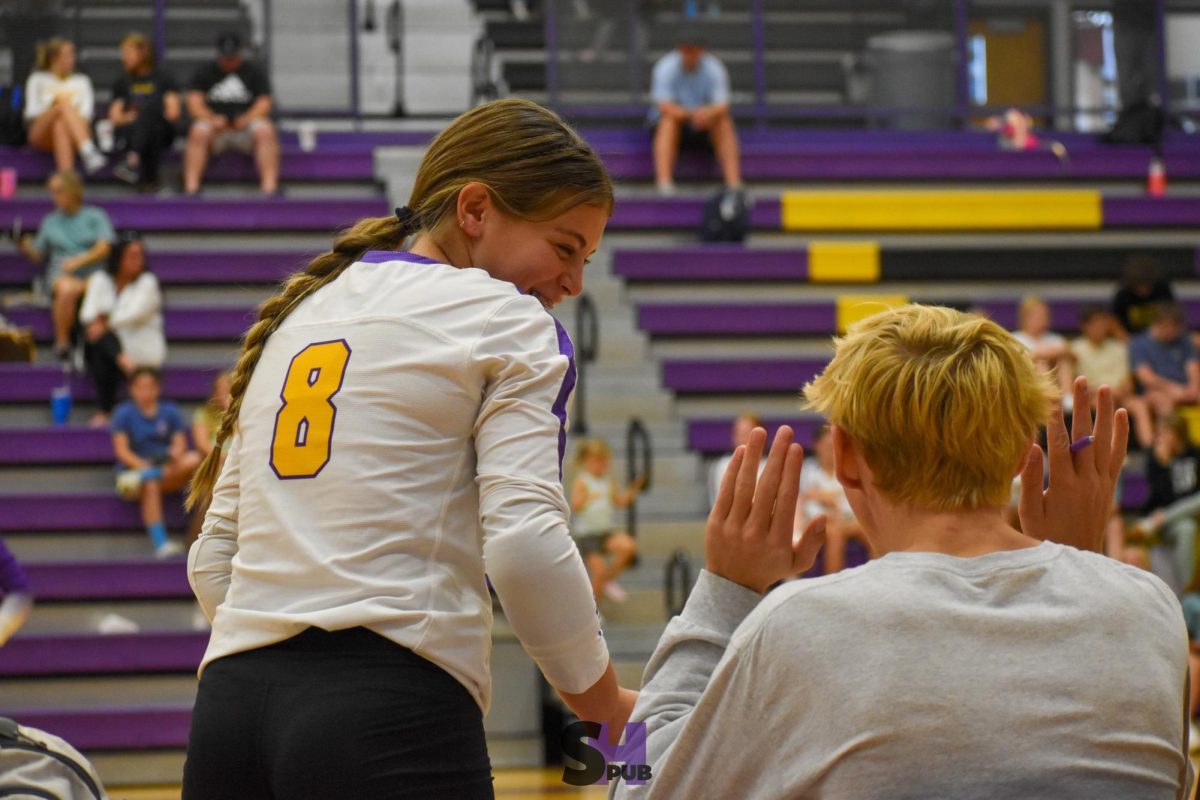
x=847 y=460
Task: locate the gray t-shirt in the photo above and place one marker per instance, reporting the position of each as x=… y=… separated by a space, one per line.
x=1045 y=672
x=61 y=236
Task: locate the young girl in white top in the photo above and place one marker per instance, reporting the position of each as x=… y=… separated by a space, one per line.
x=122 y=322
x=607 y=550
x=58 y=107
x=398 y=424
x=822 y=494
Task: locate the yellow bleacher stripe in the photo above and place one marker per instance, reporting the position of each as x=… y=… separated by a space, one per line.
x=998 y=209
x=853 y=307
x=843 y=262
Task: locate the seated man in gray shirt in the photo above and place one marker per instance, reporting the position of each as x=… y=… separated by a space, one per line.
x=969 y=661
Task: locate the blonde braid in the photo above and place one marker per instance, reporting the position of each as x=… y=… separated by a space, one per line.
x=382 y=233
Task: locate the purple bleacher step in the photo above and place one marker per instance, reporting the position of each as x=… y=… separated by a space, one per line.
x=825 y=162
x=101 y=654
x=126 y=579
x=45 y=446
x=1151 y=212
x=709 y=262
x=740 y=376
x=192 y=324
x=328 y=164
x=183 y=268
x=33 y=383
x=819 y=317
x=154 y=728
x=711 y=436
x=217 y=214
x=80 y=511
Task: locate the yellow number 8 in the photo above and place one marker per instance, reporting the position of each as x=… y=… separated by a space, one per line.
x=303 y=438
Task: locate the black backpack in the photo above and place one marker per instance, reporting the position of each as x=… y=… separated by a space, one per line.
x=1140 y=123
x=12 y=109
x=726 y=217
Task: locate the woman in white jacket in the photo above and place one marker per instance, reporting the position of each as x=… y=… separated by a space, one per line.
x=122 y=321
x=58 y=107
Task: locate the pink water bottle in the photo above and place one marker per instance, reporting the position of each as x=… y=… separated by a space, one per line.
x=8 y=183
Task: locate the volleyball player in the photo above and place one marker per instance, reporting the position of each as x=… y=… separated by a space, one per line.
x=397 y=424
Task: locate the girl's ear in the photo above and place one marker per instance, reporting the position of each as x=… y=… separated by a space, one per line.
x=474 y=201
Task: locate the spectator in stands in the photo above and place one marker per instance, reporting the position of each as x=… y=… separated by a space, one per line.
x=73 y=241
x=1102 y=358
x=1049 y=350
x=1142 y=288
x=230 y=104
x=144 y=110
x=150 y=442
x=606 y=549
x=1173 y=472
x=205 y=424
x=122 y=322
x=739 y=434
x=822 y=495
x=17 y=602
x=58 y=108
x=691 y=96
x=969 y=660
x=23 y=25
x=1163 y=360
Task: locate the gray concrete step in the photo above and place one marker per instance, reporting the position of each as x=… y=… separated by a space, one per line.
x=97 y=616
x=96 y=692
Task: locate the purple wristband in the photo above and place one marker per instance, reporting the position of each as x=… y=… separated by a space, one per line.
x=1080 y=444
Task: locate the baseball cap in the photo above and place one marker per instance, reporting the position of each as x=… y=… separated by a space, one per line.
x=229 y=44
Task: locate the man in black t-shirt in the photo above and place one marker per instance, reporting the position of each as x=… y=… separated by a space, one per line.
x=144 y=110
x=230 y=103
x=1142 y=288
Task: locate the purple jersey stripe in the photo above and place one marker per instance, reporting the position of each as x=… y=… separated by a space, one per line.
x=384 y=256
x=12 y=577
x=564 y=394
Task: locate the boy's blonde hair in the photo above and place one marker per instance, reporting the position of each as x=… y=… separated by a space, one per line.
x=592 y=447
x=943 y=404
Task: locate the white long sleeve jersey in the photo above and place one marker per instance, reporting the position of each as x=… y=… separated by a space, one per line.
x=403 y=429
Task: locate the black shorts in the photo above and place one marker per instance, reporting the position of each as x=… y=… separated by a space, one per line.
x=690 y=139
x=327 y=716
x=592 y=543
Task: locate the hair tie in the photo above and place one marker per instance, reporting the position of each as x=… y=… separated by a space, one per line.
x=408 y=218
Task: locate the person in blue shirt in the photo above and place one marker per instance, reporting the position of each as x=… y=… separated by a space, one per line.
x=690 y=92
x=153 y=458
x=1164 y=361
x=73 y=241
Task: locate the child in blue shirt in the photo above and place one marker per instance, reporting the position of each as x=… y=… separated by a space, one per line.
x=153 y=457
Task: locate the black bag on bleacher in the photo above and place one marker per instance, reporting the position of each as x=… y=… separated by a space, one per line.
x=34 y=763
x=726 y=217
x=1140 y=123
x=12 y=109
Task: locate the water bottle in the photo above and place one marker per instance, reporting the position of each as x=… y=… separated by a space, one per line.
x=1156 y=178
x=60 y=400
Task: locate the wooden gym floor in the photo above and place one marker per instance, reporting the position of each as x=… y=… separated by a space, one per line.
x=511 y=784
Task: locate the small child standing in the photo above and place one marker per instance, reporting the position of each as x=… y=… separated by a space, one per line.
x=594 y=500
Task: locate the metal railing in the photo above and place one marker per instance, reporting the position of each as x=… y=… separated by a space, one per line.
x=587 y=344
x=677 y=582
x=639 y=461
